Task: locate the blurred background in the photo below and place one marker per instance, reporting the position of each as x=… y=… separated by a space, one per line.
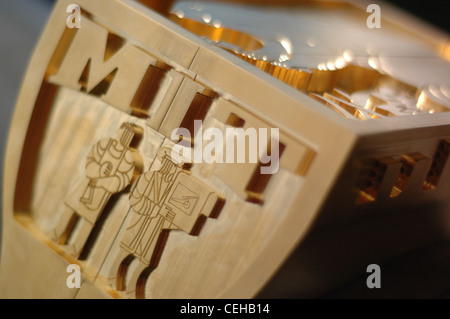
x=22 y=21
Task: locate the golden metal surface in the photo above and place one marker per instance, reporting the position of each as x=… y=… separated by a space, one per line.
x=320 y=46
x=357 y=184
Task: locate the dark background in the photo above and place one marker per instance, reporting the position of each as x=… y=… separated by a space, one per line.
x=435 y=12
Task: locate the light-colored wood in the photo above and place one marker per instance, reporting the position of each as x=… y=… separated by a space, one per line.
x=35 y=254
x=163 y=199
x=90 y=178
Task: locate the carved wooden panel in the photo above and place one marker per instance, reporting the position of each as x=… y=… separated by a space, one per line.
x=93 y=179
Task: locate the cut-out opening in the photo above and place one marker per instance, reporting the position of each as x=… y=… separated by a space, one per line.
x=60 y=52
x=305 y=163
x=71 y=225
x=64 y=45
x=236 y=38
x=258 y=182
x=408 y=164
x=235 y=121
x=113 y=44
x=369 y=182
x=162 y=7
x=30 y=154
x=440 y=160
x=142 y=282
x=197 y=110
x=217 y=208
x=103 y=86
x=99 y=226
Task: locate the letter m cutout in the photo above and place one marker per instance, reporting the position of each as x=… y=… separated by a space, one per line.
x=96 y=61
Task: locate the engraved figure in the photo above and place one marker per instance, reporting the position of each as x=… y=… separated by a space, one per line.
x=161 y=200
x=111 y=166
